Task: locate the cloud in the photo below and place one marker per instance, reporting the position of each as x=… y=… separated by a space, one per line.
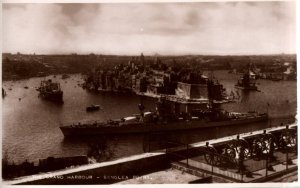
x=38 y=27
x=164 y=28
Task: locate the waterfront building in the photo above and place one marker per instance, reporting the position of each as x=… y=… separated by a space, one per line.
x=155 y=89
x=141 y=84
x=153 y=81
x=191 y=91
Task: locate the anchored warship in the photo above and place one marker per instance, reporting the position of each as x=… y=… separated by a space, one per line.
x=51 y=91
x=247 y=81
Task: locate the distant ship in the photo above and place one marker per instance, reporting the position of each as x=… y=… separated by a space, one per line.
x=93 y=107
x=3 y=93
x=247 y=81
x=51 y=91
x=165 y=118
x=65 y=76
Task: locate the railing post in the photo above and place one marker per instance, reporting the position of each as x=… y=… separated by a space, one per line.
x=267 y=166
x=187 y=155
x=149 y=145
x=165 y=144
x=148 y=139
x=267 y=156
x=242 y=175
x=212 y=165
x=287 y=157
x=296 y=145
x=166 y=151
x=286 y=150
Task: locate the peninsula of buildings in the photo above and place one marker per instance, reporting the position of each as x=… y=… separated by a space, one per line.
x=156 y=79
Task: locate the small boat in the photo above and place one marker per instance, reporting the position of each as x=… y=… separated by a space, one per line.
x=65 y=76
x=3 y=93
x=26 y=87
x=276 y=79
x=92 y=108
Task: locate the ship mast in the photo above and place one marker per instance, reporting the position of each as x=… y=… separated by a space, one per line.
x=210 y=85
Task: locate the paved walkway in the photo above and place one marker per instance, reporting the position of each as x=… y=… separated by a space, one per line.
x=279 y=168
x=169 y=176
x=257 y=176
x=290 y=177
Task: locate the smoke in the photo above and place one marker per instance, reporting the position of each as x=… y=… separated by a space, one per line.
x=164 y=28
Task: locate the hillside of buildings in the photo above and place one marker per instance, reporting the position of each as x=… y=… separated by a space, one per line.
x=21 y=66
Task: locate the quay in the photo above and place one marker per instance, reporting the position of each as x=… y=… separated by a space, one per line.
x=267 y=155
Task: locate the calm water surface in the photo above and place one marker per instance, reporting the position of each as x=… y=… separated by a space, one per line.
x=31 y=125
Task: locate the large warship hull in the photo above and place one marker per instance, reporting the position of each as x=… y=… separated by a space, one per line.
x=156 y=127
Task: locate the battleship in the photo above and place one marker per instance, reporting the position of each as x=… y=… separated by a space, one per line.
x=166 y=117
x=50 y=91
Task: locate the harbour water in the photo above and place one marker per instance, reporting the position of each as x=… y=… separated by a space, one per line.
x=30 y=125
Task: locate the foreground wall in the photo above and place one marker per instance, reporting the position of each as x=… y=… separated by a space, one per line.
x=103 y=173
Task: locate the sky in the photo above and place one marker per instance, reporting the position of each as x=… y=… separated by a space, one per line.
x=219 y=28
